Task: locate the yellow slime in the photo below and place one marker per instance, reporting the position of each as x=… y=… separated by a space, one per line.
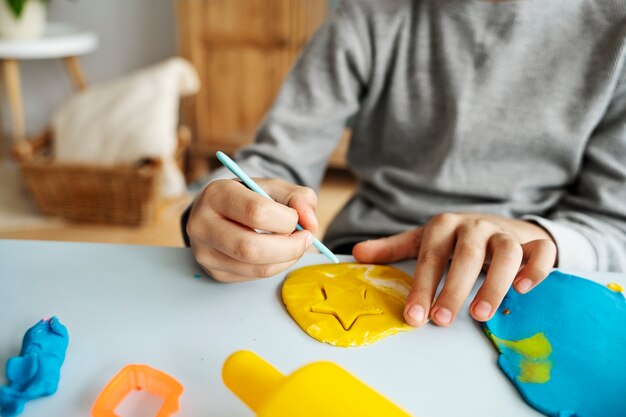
x=348 y=304
x=535 y=351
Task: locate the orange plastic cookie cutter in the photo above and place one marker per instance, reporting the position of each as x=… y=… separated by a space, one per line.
x=138 y=378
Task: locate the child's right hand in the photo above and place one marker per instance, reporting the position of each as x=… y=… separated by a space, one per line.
x=222 y=222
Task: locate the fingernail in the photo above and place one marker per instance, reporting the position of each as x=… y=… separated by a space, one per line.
x=443 y=316
x=417 y=313
x=309 y=239
x=483 y=310
x=312 y=216
x=524 y=285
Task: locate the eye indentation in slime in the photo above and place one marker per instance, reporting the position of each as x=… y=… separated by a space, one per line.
x=345 y=305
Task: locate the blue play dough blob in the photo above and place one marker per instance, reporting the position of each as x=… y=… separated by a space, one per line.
x=36 y=372
x=585 y=324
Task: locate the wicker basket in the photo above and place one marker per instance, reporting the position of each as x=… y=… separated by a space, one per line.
x=123 y=195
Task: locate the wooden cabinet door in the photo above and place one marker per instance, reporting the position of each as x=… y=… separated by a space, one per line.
x=242 y=49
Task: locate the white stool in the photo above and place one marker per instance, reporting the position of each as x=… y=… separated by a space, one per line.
x=60 y=41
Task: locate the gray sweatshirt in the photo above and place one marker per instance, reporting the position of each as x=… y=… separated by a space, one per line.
x=514 y=108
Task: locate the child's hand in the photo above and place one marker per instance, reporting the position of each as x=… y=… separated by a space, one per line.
x=519 y=253
x=222 y=222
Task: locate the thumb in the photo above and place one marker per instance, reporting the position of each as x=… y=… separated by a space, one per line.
x=301 y=199
x=306 y=212
x=389 y=249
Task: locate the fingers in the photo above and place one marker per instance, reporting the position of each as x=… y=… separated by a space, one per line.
x=540 y=258
x=234 y=201
x=435 y=250
x=389 y=249
x=467 y=261
x=249 y=257
x=232 y=270
x=248 y=246
x=506 y=259
x=471 y=241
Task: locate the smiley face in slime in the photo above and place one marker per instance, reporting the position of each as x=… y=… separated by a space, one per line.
x=563 y=345
x=347 y=304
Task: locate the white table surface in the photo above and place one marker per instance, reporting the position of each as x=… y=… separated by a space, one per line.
x=59 y=40
x=135 y=304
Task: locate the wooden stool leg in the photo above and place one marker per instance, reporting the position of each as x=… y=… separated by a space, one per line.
x=14 y=93
x=76 y=72
x=3 y=145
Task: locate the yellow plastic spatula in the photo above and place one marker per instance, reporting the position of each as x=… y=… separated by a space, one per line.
x=321 y=389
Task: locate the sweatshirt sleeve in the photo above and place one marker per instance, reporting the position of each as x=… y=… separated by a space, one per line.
x=589 y=223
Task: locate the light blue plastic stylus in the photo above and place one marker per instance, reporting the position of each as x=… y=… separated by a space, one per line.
x=236 y=169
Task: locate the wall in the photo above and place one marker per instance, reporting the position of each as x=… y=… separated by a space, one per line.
x=133 y=34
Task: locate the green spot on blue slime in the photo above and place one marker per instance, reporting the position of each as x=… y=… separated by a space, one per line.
x=563 y=346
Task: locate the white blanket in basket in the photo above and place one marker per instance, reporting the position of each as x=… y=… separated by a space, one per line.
x=127 y=120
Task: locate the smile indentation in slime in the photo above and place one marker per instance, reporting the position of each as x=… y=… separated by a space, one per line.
x=346 y=306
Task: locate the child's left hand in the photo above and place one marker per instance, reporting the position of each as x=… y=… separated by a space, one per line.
x=518 y=252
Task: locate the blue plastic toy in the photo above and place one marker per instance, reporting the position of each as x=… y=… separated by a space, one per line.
x=36 y=372
x=563 y=346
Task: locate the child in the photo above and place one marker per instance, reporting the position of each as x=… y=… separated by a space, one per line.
x=485 y=132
